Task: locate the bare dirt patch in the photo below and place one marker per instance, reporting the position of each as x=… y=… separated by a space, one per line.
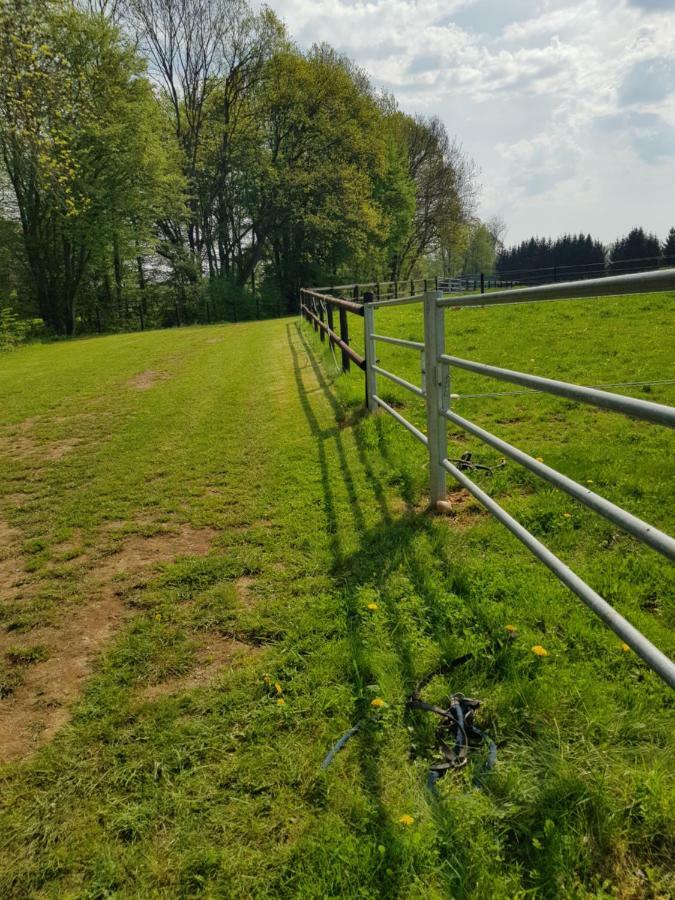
x=58 y=449
x=20 y=443
x=463 y=510
x=14 y=580
x=16 y=444
x=243 y=587
x=17 y=498
x=250 y=526
x=146 y=380
x=215 y=655
x=40 y=705
x=8 y=537
x=137 y=554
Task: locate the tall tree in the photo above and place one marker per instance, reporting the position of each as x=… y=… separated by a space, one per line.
x=445 y=188
x=668 y=249
x=636 y=251
x=313 y=207
x=80 y=140
x=205 y=56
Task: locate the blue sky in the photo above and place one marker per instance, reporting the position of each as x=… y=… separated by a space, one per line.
x=567 y=107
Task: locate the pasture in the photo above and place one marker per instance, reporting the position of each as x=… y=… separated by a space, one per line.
x=212 y=562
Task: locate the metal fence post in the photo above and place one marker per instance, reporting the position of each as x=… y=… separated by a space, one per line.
x=369 y=344
x=436 y=383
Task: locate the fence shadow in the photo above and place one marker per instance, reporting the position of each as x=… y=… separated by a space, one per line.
x=383 y=548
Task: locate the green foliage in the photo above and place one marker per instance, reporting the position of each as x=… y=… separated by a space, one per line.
x=252 y=163
x=481 y=250
x=636 y=245
x=82 y=142
x=567 y=252
x=14 y=330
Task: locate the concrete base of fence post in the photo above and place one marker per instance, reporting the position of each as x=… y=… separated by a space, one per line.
x=437 y=391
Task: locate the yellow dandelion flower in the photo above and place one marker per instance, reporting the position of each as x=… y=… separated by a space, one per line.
x=281 y=702
x=278 y=688
x=538 y=650
x=511 y=628
x=589 y=481
x=406 y=820
x=625 y=648
x=567 y=515
x=378 y=702
x=158 y=618
x=540 y=458
x=372 y=607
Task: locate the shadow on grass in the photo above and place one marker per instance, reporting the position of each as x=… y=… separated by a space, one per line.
x=383 y=549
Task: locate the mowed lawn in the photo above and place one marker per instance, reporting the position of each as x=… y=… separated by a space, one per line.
x=212 y=562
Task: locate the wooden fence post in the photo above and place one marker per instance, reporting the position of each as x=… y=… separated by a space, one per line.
x=344 y=332
x=329 y=312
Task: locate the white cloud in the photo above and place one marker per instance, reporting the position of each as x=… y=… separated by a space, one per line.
x=567 y=107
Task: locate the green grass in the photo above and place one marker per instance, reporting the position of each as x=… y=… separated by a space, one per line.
x=320 y=511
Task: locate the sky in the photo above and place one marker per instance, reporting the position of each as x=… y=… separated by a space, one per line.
x=568 y=108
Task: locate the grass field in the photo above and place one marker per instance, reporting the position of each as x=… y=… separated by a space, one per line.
x=211 y=563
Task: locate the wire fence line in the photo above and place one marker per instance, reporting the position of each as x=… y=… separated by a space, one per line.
x=402 y=288
x=434 y=390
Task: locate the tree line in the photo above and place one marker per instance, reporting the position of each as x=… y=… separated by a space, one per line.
x=574 y=256
x=170 y=161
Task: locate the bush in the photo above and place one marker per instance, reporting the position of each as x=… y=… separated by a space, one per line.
x=14 y=331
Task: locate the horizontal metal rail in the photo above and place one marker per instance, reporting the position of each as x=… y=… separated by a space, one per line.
x=398 y=380
x=397 y=301
x=614 y=285
x=646 y=533
x=421 y=437
x=439 y=464
x=629 y=406
x=398 y=342
x=336 y=339
x=654 y=658
x=604 y=384
x=356 y=308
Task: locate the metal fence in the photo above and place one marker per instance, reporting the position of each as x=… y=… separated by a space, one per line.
x=436 y=367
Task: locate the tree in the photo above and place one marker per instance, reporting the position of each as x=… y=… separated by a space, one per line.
x=481 y=249
x=310 y=190
x=669 y=248
x=538 y=260
x=445 y=191
x=206 y=56
x=635 y=252
x=82 y=144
